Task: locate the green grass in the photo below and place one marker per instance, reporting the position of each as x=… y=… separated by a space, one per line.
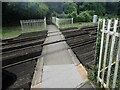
x=80 y=24
x=11 y=31
x=14 y=31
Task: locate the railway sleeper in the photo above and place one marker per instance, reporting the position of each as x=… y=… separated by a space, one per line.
x=20 y=57
x=21 y=45
x=23 y=40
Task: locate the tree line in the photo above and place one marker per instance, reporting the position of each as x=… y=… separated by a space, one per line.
x=12 y=12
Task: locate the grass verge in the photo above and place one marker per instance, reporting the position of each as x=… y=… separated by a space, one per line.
x=11 y=31
x=80 y=24
x=14 y=31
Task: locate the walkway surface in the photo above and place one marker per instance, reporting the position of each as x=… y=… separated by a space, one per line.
x=58 y=66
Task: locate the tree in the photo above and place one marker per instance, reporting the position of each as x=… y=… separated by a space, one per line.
x=70 y=7
x=111 y=8
x=118 y=13
x=14 y=11
x=55 y=7
x=92 y=6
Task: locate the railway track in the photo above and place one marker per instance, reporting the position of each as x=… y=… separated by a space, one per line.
x=19 y=55
x=82 y=42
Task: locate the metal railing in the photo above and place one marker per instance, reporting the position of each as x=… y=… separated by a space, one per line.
x=33 y=25
x=109 y=57
x=61 y=21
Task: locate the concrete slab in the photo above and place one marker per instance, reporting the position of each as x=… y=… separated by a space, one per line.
x=60 y=76
x=54 y=38
x=54 y=34
x=61 y=68
x=52 y=28
x=57 y=54
x=38 y=72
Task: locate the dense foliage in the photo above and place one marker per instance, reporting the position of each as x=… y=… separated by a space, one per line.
x=80 y=11
x=13 y=12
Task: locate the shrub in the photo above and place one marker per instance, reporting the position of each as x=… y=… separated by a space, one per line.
x=54 y=14
x=74 y=14
x=84 y=17
x=91 y=12
x=80 y=18
x=66 y=15
x=60 y=15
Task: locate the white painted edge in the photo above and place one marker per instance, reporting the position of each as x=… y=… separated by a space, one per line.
x=74 y=57
x=38 y=73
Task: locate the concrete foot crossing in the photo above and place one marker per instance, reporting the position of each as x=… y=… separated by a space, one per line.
x=58 y=66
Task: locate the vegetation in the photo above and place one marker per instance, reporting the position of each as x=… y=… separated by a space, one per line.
x=14 y=31
x=11 y=31
x=82 y=12
x=76 y=25
x=13 y=12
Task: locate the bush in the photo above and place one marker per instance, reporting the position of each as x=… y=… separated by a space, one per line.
x=80 y=18
x=63 y=15
x=91 y=12
x=74 y=14
x=60 y=15
x=54 y=14
x=84 y=17
x=69 y=16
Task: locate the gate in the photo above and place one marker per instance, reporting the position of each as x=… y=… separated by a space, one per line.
x=61 y=21
x=33 y=25
x=109 y=57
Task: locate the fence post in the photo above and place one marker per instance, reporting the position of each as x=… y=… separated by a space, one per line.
x=106 y=49
x=116 y=66
x=21 y=25
x=57 y=22
x=45 y=23
x=72 y=20
x=111 y=51
x=101 y=50
x=114 y=43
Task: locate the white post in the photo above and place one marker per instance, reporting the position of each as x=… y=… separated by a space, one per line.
x=45 y=23
x=72 y=20
x=111 y=52
x=94 y=18
x=21 y=25
x=116 y=65
x=106 y=49
x=57 y=22
x=101 y=50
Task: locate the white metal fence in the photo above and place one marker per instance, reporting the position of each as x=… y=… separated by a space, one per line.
x=54 y=20
x=33 y=25
x=109 y=58
x=61 y=21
